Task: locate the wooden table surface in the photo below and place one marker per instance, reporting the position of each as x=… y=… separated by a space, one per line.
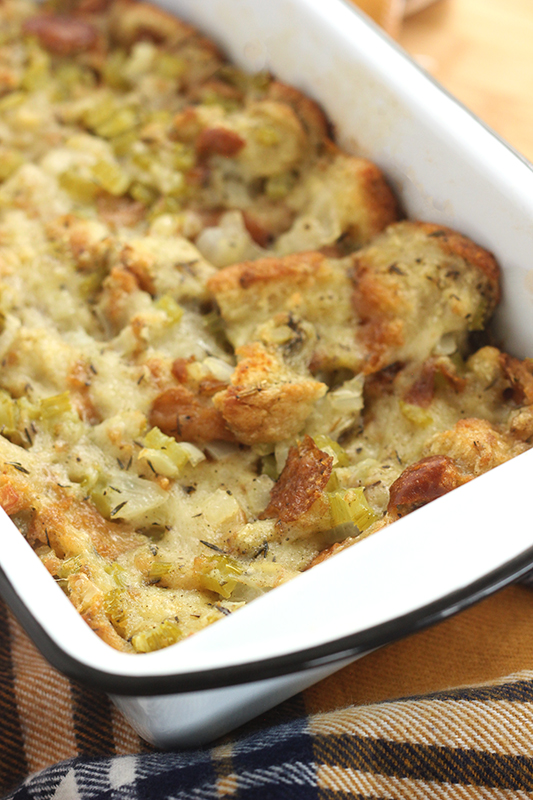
x=482 y=52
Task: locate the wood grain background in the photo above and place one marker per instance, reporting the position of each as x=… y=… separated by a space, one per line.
x=480 y=50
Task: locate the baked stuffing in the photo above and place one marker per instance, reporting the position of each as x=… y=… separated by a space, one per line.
x=224 y=355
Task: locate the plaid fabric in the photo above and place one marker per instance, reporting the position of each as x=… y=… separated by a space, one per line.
x=396 y=724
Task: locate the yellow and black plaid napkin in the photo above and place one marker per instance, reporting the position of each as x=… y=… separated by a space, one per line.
x=447 y=713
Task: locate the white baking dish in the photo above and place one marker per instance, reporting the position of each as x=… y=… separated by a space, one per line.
x=448 y=168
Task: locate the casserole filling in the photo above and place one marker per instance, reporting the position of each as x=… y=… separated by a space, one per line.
x=224 y=355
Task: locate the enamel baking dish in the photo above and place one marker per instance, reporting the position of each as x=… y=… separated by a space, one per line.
x=448 y=168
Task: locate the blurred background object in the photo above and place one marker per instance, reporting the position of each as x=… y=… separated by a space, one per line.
x=387 y=13
x=480 y=50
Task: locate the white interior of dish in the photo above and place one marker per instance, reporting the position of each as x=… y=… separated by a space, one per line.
x=446 y=167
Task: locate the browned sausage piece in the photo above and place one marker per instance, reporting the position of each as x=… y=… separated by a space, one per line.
x=220 y=142
x=61 y=33
x=422 y=482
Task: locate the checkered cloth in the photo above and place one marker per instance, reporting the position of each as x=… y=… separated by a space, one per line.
x=395 y=724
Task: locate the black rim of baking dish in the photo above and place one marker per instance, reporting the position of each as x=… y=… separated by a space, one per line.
x=326 y=654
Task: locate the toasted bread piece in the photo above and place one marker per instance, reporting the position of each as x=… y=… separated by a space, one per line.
x=416 y=284
x=302 y=287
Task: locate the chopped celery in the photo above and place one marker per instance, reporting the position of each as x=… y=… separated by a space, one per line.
x=415 y=414
x=69 y=77
x=477 y=320
x=57 y=405
x=78 y=187
x=127 y=497
x=8 y=413
x=332 y=448
x=184 y=157
x=143 y=160
x=339 y=509
x=278 y=186
x=112 y=71
x=143 y=193
x=156 y=439
x=269 y=466
x=219 y=574
x=102 y=110
x=10 y=161
x=333 y=484
x=213 y=98
x=166 y=456
x=37 y=73
x=114 y=606
x=170 y=66
x=111 y=178
x=70 y=566
x=175 y=185
x=158 y=570
x=167 y=205
x=267 y=136
x=118 y=573
x=351 y=506
x=12 y=100
x=166 y=633
x=261 y=80
x=120 y=122
x=173 y=311
x=361 y=513
x=220 y=369
x=123 y=144
x=214 y=322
